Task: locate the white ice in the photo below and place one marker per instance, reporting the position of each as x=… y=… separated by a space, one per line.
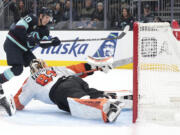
x=39 y=118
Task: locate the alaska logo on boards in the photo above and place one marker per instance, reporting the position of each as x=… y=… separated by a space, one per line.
x=76 y=48
x=108 y=47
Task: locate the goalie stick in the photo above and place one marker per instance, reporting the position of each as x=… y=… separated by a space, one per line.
x=115 y=64
x=123 y=33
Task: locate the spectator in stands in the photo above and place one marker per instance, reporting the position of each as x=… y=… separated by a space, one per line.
x=87 y=12
x=57 y=13
x=99 y=13
x=66 y=14
x=4 y=11
x=18 y=11
x=125 y=19
x=33 y=6
x=22 y=10
x=147 y=16
x=14 y=8
x=78 y=6
x=114 y=13
x=56 y=1
x=157 y=19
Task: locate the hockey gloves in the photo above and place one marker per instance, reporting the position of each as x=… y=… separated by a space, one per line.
x=52 y=41
x=32 y=41
x=105 y=68
x=55 y=41
x=101 y=64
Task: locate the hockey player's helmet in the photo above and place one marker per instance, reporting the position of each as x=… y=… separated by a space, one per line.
x=45 y=11
x=36 y=65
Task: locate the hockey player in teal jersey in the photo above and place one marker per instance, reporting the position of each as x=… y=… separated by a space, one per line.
x=21 y=39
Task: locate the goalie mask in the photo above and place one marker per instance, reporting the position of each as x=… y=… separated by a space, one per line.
x=37 y=64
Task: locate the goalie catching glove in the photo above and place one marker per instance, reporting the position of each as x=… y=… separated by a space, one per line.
x=104 y=64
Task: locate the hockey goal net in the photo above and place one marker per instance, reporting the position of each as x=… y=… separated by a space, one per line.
x=156 y=73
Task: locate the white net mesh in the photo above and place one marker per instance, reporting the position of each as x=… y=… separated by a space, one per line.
x=158 y=73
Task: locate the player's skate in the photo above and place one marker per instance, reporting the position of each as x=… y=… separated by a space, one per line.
x=121 y=94
x=1 y=91
x=8 y=105
x=125 y=97
x=114 y=110
x=110 y=95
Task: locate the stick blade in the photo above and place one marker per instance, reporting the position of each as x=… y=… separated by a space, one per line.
x=122 y=62
x=127 y=27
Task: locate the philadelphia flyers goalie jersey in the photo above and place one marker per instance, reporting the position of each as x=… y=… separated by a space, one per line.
x=38 y=85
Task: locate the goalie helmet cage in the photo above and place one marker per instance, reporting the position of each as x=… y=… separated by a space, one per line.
x=156 y=73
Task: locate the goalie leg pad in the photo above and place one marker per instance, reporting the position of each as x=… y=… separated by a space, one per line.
x=89 y=108
x=122 y=95
x=114 y=111
x=102 y=108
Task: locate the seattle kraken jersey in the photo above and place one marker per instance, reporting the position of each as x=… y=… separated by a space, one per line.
x=23 y=28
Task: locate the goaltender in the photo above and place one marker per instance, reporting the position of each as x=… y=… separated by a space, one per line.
x=61 y=86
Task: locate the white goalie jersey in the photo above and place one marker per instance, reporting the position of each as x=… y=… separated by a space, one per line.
x=38 y=85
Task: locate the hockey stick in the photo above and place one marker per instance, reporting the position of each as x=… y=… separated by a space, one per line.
x=124 y=94
x=115 y=64
x=122 y=62
x=123 y=33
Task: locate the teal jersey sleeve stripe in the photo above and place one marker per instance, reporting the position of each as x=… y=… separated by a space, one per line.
x=18 y=44
x=45 y=38
x=29 y=46
x=8 y=74
x=22 y=23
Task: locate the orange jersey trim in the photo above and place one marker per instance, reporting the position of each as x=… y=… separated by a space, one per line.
x=18 y=104
x=78 y=69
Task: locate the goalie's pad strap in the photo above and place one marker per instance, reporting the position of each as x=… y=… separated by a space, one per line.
x=88 y=108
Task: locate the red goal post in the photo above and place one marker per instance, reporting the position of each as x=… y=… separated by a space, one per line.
x=135 y=66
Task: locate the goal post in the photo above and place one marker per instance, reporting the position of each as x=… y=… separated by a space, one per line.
x=156 y=73
x=135 y=69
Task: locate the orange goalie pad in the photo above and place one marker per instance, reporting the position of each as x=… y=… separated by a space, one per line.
x=86 y=107
x=97 y=103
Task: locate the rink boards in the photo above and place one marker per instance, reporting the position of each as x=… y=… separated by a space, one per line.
x=68 y=53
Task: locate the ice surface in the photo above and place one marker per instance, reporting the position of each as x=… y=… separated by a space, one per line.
x=39 y=118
